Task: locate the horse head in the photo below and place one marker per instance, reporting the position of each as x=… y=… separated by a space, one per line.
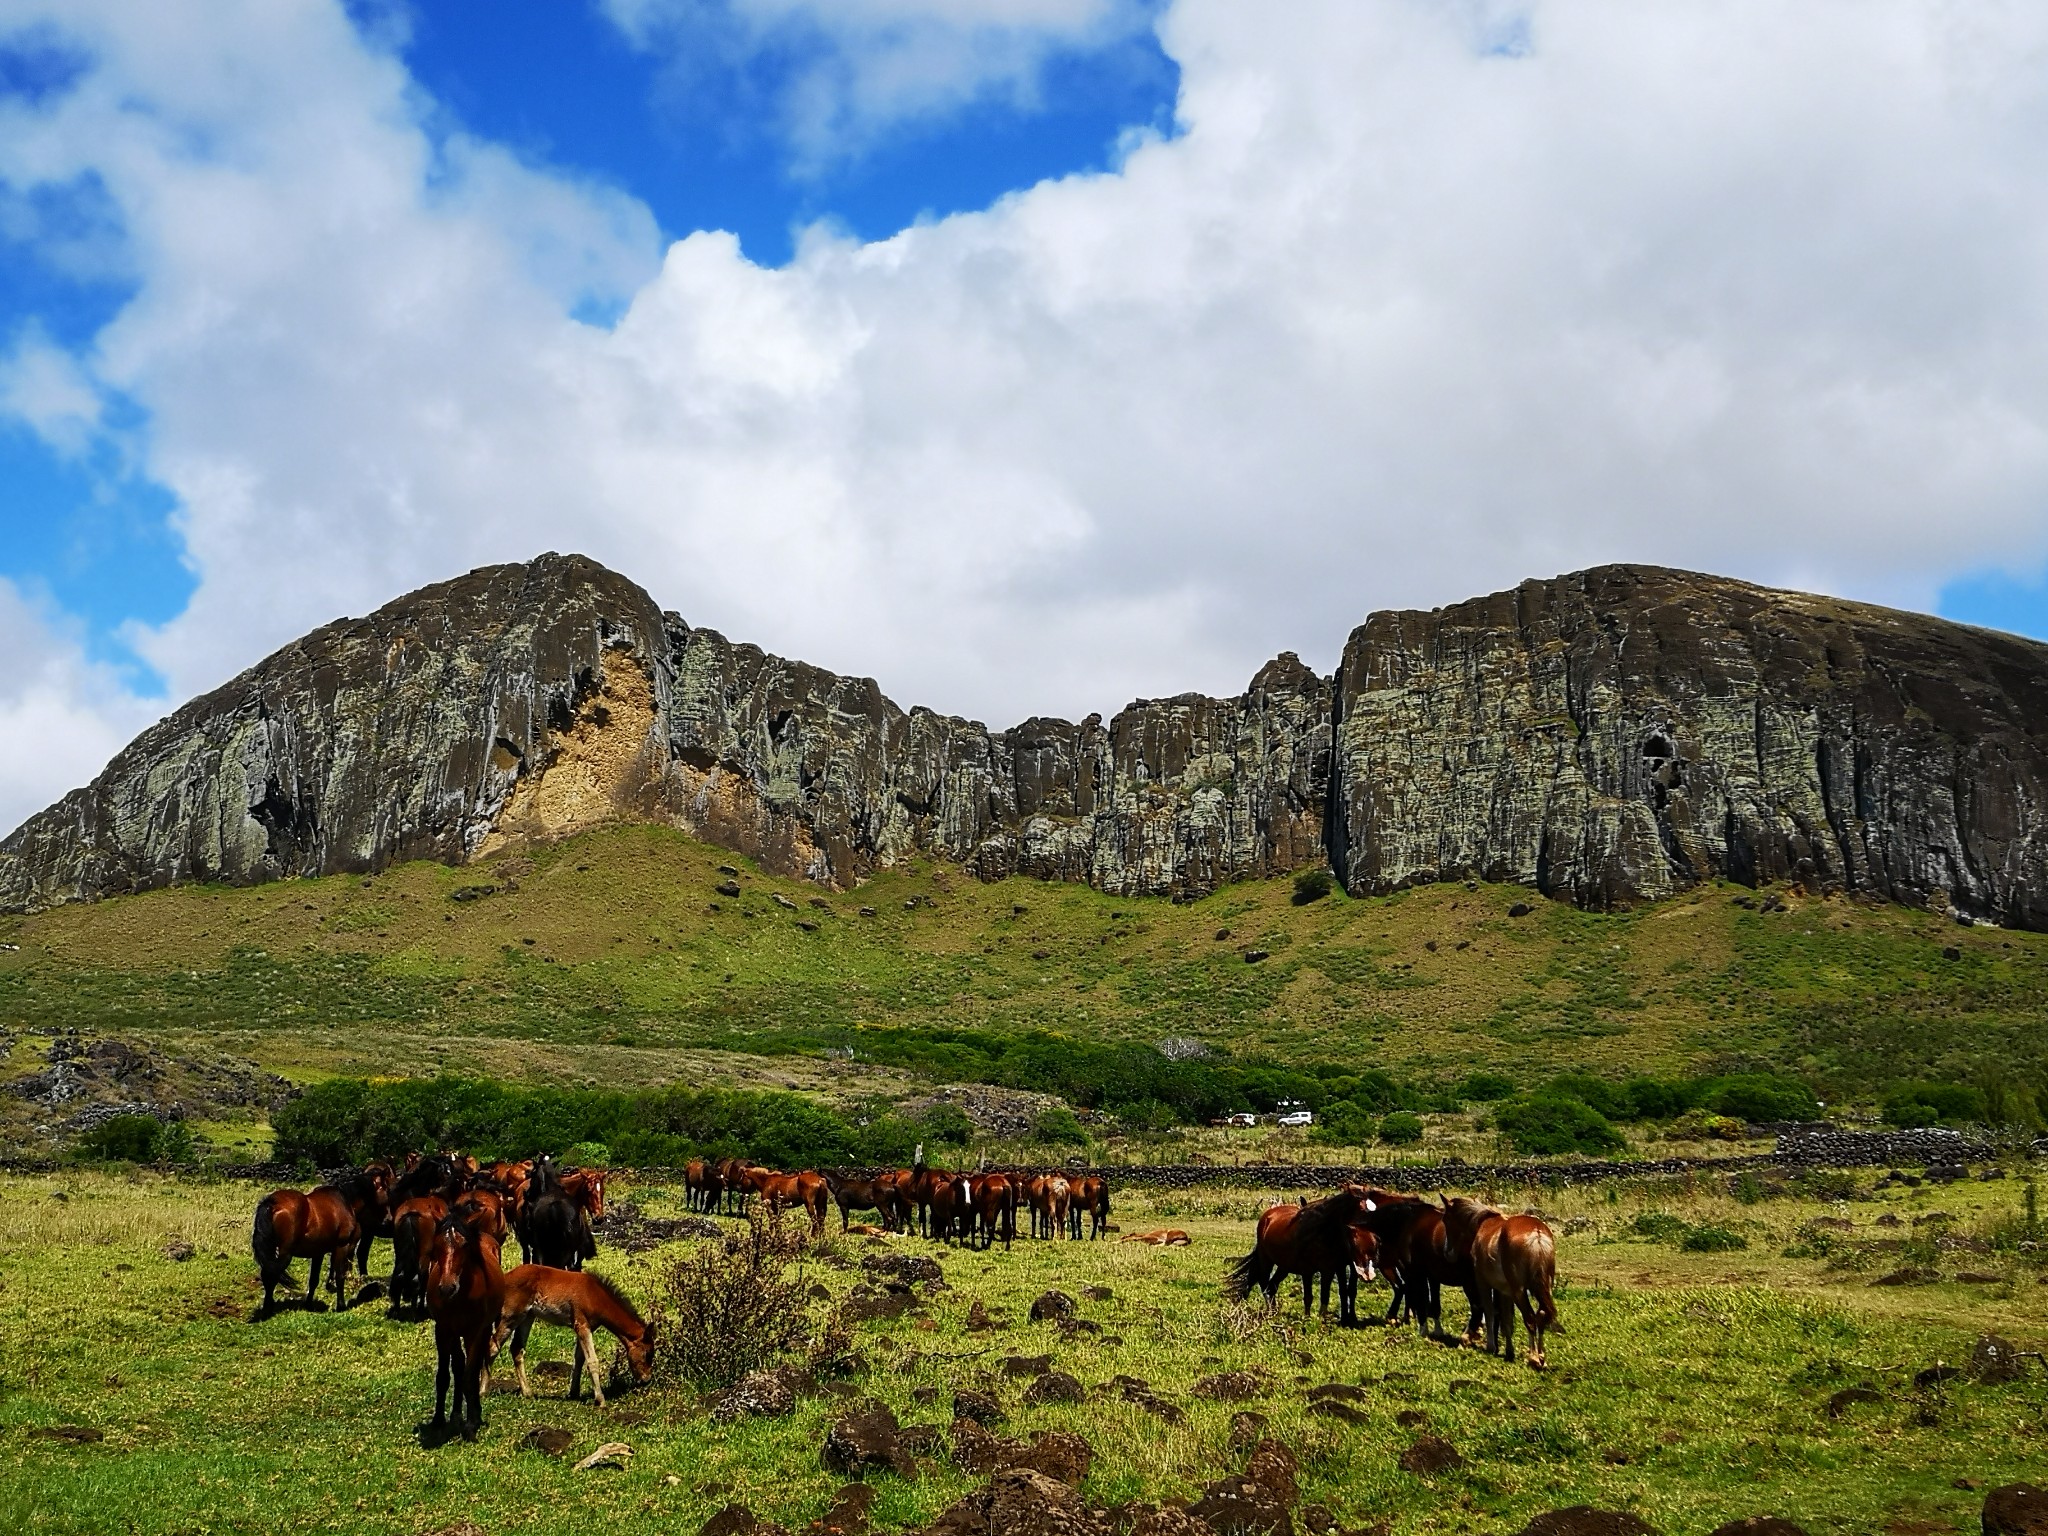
x=640 y=1354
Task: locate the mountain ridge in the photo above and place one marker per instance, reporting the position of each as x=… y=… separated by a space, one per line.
x=1607 y=737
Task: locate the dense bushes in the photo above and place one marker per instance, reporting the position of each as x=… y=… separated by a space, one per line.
x=1917 y=1104
x=1552 y=1123
x=137 y=1139
x=348 y=1120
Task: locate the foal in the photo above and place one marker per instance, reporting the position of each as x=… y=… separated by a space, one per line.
x=577 y=1299
x=465 y=1297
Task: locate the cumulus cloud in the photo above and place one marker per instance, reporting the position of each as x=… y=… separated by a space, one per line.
x=61 y=715
x=835 y=74
x=44 y=386
x=1418 y=301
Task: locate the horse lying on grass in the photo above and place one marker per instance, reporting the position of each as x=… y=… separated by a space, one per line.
x=578 y=1300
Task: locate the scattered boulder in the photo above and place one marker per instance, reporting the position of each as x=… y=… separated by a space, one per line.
x=1054 y=1387
x=1912 y=1274
x=1996 y=1361
x=1237 y=1506
x=1760 y=1525
x=758 y=1394
x=1096 y=1293
x=864 y=1441
x=71 y=1434
x=910 y=1268
x=782 y=901
x=1230 y=1387
x=1254 y=956
x=1336 y=1408
x=977 y=1451
x=979 y=1407
x=1026 y=1365
x=1339 y=1389
x=1584 y=1520
x=865 y=1304
x=2017 y=1509
x=1052 y=1306
x=1935 y=1376
x=1275 y=1468
x=733 y=1520
x=847 y=1514
x=1246 y=1429
x=1411 y=1418
x=548 y=1440
x=177 y=1250
x=1022 y=1502
x=728 y=887
x=1059 y=1454
x=1520 y=909
x=1429 y=1455
x=1848 y=1397
x=921 y=1439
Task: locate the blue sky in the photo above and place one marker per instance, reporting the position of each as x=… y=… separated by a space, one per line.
x=1121 y=343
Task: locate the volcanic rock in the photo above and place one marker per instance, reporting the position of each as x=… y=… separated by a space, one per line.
x=2017 y=1509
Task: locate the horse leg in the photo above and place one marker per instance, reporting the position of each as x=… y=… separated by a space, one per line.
x=1505 y=1306
x=441 y=1375
x=1535 y=1327
x=313 y=1281
x=586 y=1352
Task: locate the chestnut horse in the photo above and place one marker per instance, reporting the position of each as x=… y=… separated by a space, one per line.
x=1312 y=1240
x=579 y=1300
x=994 y=1200
x=412 y=1244
x=465 y=1297
x=1513 y=1259
x=781 y=1190
x=1052 y=1199
x=1418 y=1256
x=325 y=1224
x=1090 y=1194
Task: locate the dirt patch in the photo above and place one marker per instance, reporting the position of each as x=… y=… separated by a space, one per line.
x=594 y=770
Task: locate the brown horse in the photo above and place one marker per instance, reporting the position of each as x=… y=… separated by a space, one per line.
x=465 y=1297
x=484 y=1207
x=782 y=1190
x=1052 y=1198
x=586 y=1187
x=1090 y=1194
x=851 y=1192
x=702 y=1185
x=1417 y=1254
x=732 y=1176
x=949 y=1200
x=994 y=1200
x=1290 y=1256
x=325 y=1224
x=412 y=1244
x=1313 y=1241
x=577 y=1299
x=1513 y=1259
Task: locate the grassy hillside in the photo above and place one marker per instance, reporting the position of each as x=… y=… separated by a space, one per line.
x=614 y=951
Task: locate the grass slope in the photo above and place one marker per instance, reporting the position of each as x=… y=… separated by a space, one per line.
x=1692 y=1388
x=617 y=939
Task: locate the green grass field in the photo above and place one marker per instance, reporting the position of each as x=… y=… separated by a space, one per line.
x=1690 y=1387
x=611 y=957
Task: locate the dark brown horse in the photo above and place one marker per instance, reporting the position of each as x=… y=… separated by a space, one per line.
x=412 y=1244
x=325 y=1224
x=703 y=1185
x=994 y=1202
x=1417 y=1255
x=465 y=1297
x=1313 y=1241
x=853 y=1192
x=1090 y=1195
x=1514 y=1258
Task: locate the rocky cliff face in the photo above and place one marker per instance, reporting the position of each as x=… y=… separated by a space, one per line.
x=1616 y=735
x=529 y=701
x=1607 y=737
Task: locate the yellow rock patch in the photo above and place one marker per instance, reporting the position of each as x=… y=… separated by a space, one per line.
x=595 y=769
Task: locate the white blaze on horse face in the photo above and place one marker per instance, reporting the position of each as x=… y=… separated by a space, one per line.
x=1371 y=1205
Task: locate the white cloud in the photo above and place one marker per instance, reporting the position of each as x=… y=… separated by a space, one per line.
x=837 y=73
x=1421 y=300
x=45 y=387
x=61 y=715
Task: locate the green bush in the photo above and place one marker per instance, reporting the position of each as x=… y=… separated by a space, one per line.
x=588 y=1154
x=1759 y=1097
x=1659 y=1227
x=137 y=1139
x=947 y=1124
x=1548 y=1125
x=1343 y=1124
x=1917 y=1104
x=1311 y=885
x=1401 y=1129
x=1060 y=1126
x=1485 y=1088
x=1712 y=1240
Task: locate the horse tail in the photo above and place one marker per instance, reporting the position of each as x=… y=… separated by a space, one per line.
x=1242 y=1275
x=1543 y=1270
x=263 y=1241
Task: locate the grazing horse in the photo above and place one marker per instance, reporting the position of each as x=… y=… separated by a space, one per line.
x=1090 y=1194
x=465 y=1297
x=1275 y=1236
x=412 y=1244
x=994 y=1200
x=1418 y=1255
x=1311 y=1240
x=851 y=1193
x=325 y=1224
x=1513 y=1258
x=579 y=1300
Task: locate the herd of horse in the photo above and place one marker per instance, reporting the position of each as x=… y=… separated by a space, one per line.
x=977 y=1209
x=448 y=1217
x=1504 y=1263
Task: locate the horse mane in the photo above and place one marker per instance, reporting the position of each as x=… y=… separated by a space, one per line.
x=1319 y=1218
x=617 y=1295
x=359 y=1185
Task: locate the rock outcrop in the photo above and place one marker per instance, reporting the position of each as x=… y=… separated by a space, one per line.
x=1617 y=735
x=1606 y=738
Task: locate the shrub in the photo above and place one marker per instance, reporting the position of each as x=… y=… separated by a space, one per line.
x=1060 y=1126
x=1659 y=1227
x=1749 y=1189
x=137 y=1139
x=1401 y=1129
x=1702 y=1125
x=589 y=1154
x=1759 y=1097
x=1485 y=1088
x=946 y=1123
x=1712 y=1240
x=1343 y=1124
x=1311 y=885
x=1915 y=1104
x=1549 y=1125
x=732 y=1307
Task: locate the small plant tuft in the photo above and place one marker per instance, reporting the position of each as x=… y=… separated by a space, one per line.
x=1311 y=885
